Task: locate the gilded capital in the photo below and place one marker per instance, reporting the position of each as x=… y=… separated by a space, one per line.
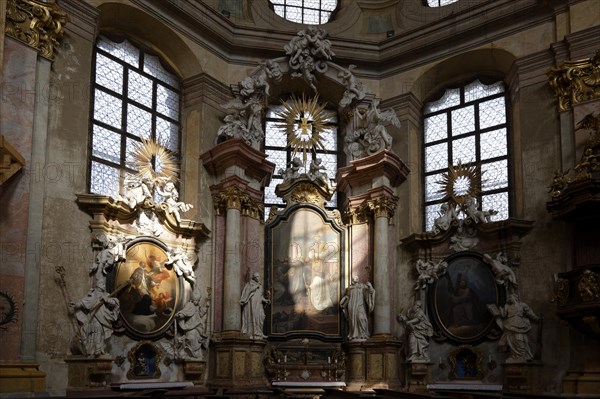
x=37 y=23
x=576 y=81
x=235 y=198
x=383 y=207
x=589 y=286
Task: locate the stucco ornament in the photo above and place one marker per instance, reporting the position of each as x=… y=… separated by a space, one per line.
x=167 y=190
x=183 y=264
x=447 y=215
x=576 y=81
x=317 y=172
x=504 y=274
x=356 y=304
x=308 y=52
x=419 y=331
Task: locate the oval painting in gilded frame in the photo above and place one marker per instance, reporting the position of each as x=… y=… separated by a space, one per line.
x=148 y=292
x=459 y=299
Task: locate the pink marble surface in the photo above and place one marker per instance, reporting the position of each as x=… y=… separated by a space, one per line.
x=219 y=236
x=360 y=257
x=16 y=124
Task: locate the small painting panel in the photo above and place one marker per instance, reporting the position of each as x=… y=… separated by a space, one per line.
x=147 y=290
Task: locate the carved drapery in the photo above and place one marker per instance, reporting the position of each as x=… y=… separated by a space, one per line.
x=235 y=198
x=576 y=81
x=38 y=24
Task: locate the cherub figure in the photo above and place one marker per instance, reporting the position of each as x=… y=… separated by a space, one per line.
x=137 y=190
x=182 y=264
x=475 y=214
x=354 y=88
x=316 y=172
x=171 y=196
x=447 y=214
x=559 y=182
x=293 y=171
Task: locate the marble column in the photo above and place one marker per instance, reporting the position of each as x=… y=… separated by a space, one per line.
x=232 y=320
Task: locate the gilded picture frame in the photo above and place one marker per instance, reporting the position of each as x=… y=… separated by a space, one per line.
x=149 y=293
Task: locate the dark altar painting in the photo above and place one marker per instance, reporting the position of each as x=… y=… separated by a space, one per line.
x=305 y=258
x=460 y=297
x=147 y=290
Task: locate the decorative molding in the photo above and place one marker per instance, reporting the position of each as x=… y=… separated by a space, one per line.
x=576 y=81
x=37 y=23
x=83 y=18
x=203 y=88
x=383 y=207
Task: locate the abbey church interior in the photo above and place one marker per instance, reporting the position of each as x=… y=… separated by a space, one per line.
x=300 y=198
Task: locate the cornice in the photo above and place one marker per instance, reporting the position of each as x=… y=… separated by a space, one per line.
x=83 y=18
x=204 y=88
x=530 y=69
x=407 y=106
x=455 y=33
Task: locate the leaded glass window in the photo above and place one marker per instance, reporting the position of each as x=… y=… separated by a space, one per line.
x=467 y=125
x=440 y=3
x=134 y=97
x=307 y=12
x=277 y=148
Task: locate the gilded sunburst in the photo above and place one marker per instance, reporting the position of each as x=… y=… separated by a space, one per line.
x=154 y=161
x=304 y=122
x=460 y=183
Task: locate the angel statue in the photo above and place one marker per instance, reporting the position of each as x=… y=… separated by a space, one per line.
x=504 y=274
x=182 y=264
x=244 y=120
x=377 y=135
x=354 y=87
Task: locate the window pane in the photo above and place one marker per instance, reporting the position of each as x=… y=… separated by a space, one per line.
x=131 y=146
x=436 y=157
x=329 y=139
x=494 y=175
x=124 y=51
x=109 y=73
x=493 y=144
x=270 y=197
x=431 y=213
x=436 y=128
x=450 y=98
x=153 y=67
x=104 y=179
x=329 y=161
x=139 y=122
x=275 y=135
x=167 y=134
x=477 y=90
x=140 y=89
x=106 y=144
x=492 y=113
x=499 y=203
x=107 y=109
x=279 y=158
x=293 y=14
x=463 y=150
x=328 y=5
x=432 y=188
x=311 y=17
x=167 y=102
x=463 y=120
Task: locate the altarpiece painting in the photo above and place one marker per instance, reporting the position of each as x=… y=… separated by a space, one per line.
x=305 y=274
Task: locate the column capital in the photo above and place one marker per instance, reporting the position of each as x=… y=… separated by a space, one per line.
x=39 y=24
x=233 y=197
x=375 y=203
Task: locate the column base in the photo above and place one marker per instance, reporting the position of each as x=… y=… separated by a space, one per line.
x=373 y=364
x=21 y=377
x=238 y=363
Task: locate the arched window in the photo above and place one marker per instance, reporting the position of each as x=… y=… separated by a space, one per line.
x=134 y=97
x=308 y=12
x=467 y=124
x=277 y=147
x=440 y=3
